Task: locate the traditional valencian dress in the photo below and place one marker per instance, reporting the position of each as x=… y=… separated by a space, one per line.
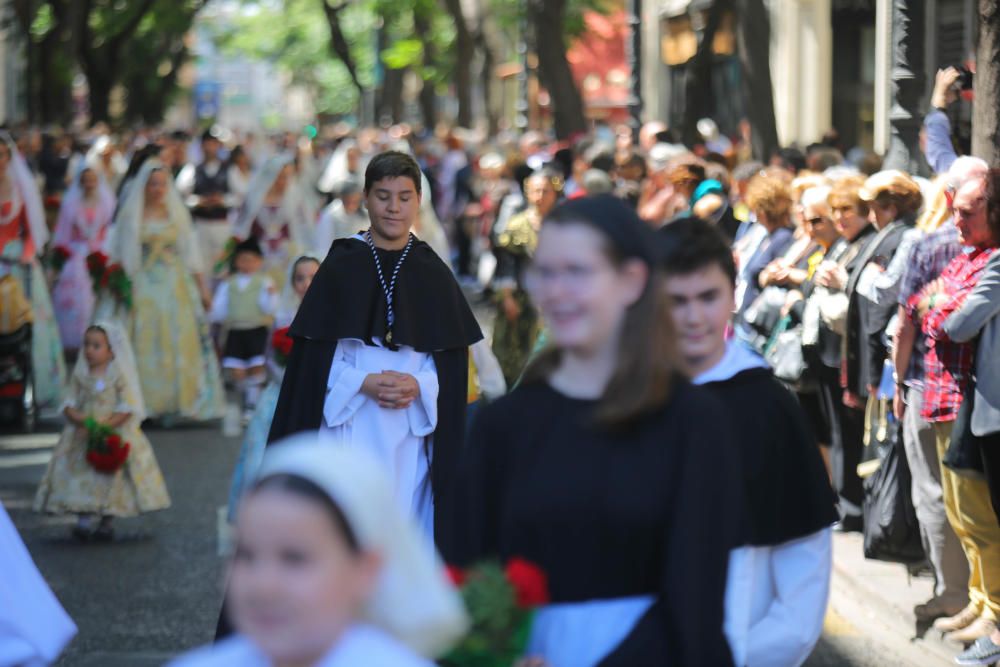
x=633 y=526
x=22 y=236
x=167 y=324
x=71 y=485
x=284 y=230
x=81 y=229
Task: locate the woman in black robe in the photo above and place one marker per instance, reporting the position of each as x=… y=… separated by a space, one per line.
x=605 y=467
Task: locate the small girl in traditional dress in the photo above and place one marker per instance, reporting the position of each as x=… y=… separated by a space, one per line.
x=105 y=388
x=255 y=438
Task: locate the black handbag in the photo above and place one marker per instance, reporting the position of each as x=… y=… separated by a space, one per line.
x=891 y=531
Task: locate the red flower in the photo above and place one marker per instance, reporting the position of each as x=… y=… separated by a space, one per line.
x=529 y=581
x=282 y=342
x=114 y=441
x=456 y=575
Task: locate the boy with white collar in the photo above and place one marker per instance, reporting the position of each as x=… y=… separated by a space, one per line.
x=779 y=579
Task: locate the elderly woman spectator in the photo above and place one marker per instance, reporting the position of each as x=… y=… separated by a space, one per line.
x=770 y=200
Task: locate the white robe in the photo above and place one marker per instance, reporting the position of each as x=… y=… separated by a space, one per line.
x=397 y=437
x=359 y=645
x=34 y=629
x=775 y=595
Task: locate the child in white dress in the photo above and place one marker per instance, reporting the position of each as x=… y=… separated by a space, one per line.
x=328 y=572
x=104 y=388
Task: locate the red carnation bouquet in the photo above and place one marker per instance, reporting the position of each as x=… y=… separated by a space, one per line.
x=97 y=262
x=106 y=451
x=58 y=257
x=501 y=603
x=110 y=277
x=281 y=342
x=116 y=281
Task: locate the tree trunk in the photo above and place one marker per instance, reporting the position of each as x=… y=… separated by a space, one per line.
x=553 y=68
x=428 y=96
x=100 y=94
x=101 y=65
x=464 y=53
x=985 y=119
x=698 y=79
x=391 y=103
x=339 y=45
x=754 y=37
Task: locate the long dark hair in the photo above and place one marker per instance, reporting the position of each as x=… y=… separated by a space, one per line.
x=646 y=367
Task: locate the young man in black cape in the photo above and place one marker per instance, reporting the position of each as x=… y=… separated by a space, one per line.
x=383 y=328
x=778 y=580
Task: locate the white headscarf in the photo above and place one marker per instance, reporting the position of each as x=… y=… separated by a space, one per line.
x=124 y=363
x=413 y=601
x=73 y=201
x=125 y=239
x=336 y=171
x=27 y=189
x=294 y=206
x=289 y=301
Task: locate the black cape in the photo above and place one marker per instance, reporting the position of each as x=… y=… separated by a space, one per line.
x=787 y=489
x=346 y=300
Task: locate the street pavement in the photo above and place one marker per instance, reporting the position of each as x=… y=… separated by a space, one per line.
x=155 y=591
x=157 y=588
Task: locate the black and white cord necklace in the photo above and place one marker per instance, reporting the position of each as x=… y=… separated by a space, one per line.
x=390 y=288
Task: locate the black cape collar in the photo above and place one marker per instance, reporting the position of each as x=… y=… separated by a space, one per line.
x=788 y=494
x=346 y=300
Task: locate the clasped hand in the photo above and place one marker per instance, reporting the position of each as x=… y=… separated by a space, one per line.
x=392 y=390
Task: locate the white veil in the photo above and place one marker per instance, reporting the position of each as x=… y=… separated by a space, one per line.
x=27 y=188
x=73 y=199
x=125 y=239
x=124 y=361
x=336 y=168
x=289 y=301
x=293 y=206
x=413 y=600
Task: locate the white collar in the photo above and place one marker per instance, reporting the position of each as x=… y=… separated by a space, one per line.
x=738 y=358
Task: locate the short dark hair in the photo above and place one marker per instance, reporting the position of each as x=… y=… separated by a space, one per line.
x=392 y=164
x=309 y=490
x=690 y=244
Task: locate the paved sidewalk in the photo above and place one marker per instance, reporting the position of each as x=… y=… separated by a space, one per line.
x=879 y=598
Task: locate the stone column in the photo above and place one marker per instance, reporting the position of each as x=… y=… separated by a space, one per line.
x=908 y=88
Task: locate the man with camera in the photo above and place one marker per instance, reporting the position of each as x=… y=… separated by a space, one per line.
x=948 y=85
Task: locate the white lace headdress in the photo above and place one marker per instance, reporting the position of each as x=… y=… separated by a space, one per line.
x=27 y=190
x=124 y=361
x=125 y=239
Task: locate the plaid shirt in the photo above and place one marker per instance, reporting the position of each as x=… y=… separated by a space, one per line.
x=928 y=259
x=948 y=365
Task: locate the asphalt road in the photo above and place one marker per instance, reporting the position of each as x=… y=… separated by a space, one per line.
x=156 y=589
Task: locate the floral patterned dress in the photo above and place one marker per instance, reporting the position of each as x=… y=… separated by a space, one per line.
x=71 y=485
x=273 y=230
x=73 y=293
x=48 y=366
x=170 y=332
